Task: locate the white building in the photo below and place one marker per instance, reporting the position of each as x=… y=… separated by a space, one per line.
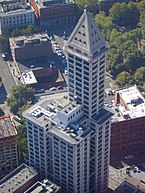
x=15 y=15
x=76 y=132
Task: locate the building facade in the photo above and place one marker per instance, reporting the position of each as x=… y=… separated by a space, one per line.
x=29 y=47
x=128 y=122
x=8 y=146
x=75 y=129
x=53 y=14
x=15 y=15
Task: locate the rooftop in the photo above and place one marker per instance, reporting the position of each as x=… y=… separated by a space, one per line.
x=46 y=186
x=50 y=3
x=126 y=187
x=17 y=178
x=14 y=8
x=65 y=118
x=7 y=128
x=86 y=37
x=29 y=77
x=134 y=102
x=20 y=41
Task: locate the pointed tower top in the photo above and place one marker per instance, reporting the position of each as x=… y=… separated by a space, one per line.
x=86 y=36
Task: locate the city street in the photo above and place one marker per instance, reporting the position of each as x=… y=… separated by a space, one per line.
x=6 y=75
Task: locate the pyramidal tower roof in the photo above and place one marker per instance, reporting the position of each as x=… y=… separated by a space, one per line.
x=86 y=36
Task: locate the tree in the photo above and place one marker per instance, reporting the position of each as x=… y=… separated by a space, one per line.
x=23 y=145
x=20 y=95
x=16 y=32
x=124 y=79
x=105 y=24
x=1 y=112
x=22 y=109
x=141 y=7
x=124 y=15
x=4 y=44
x=139 y=75
x=25 y=31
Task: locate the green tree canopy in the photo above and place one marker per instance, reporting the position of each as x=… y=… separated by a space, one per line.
x=139 y=75
x=125 y=15
x=105 y=24
x=20 y=95
x=4 y=43
x=124 y=79
x=23 y=145
x=25 y=31
x=1 y=112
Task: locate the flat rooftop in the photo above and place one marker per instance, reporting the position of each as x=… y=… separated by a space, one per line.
x=126 y=187
x=46 y=112
x=70 y=107
x=15 y=12
x=7 y=128
x=50 y=3
x=135 y=105
x=29 y=77
x=46 y=186
x=20 y=41
x=17 y=178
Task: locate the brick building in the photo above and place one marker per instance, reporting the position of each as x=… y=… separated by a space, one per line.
x=19 y=180
x=128 y=122
x=8 y=146
x=28 y=47
x=53 y=14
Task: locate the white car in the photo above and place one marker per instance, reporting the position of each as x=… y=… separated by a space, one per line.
x=129 y=157
x=66 y=72
x=53 y=88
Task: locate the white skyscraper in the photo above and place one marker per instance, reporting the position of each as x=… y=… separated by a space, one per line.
x=76 y=131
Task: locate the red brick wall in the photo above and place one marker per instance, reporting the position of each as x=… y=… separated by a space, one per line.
x=127 y=133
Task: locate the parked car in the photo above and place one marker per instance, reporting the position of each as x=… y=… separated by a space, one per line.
x=129 y=157
x=40 y=90
x=65 y=72
x=59 y=87
x=53 y=88
x=4 y=56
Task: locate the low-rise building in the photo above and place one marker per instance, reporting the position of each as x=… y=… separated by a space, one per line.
x=126 y=187
x=45 y=186
x=29 y=47
x=128 y=122
x=19 y=180
x=53 y=14
x=15 y=15
x=8 y=145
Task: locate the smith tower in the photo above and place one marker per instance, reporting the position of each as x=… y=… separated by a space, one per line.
x=86 y=53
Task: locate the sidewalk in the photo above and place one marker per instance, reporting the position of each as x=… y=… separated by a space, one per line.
x=15 y=71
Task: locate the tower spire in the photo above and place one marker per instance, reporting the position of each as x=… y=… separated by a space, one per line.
x=86 y=36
